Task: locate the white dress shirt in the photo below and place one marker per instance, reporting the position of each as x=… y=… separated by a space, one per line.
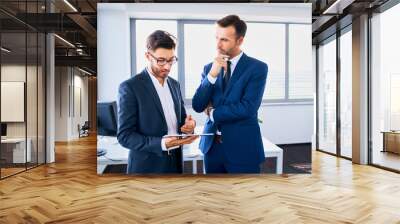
x=212 y=80
x=167 y=103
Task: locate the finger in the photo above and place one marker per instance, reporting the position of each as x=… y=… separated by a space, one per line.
x=188 y=141
x=186 y=130
x=170 y=139
x=221 y=55
x=192 y=137
x=191 y=140
x=187 y=125
x=221 y=61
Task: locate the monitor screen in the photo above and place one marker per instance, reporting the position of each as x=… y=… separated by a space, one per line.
x=3 y=129
x=107 y=118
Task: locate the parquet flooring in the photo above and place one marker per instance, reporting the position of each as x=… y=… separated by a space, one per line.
x=69 y=191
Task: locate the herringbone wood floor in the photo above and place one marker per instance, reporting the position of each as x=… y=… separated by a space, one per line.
x=69 y=191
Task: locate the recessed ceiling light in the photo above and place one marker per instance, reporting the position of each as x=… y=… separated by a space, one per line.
x=5 y=50
x=70 y=5
x=64 y=40
x=84 y=71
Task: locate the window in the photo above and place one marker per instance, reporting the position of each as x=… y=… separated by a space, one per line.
x=327 y=96
x=346 y=94
x=261 y=44
x=267 y=42
x=300 y=64
x=199 y=51
x=394 y=101
x=385 y=88
x=143 y=29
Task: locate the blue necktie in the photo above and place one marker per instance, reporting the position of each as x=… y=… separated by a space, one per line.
x=227 y=76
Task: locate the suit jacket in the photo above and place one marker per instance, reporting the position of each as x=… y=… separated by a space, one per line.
x=235 y=112
x=141 y=124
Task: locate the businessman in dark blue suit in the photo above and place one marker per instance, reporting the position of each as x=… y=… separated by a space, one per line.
x=231 y=92
x=150 y=106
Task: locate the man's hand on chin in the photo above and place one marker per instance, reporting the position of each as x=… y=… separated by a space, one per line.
x=189 y=126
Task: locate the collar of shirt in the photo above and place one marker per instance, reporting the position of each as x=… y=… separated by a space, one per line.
x=167 y=102
x=154 y=79
x=234 y=61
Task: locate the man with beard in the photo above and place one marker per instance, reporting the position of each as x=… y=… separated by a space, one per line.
x=150 y=106
x=231 y=92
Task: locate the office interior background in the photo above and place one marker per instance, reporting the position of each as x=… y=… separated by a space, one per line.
x=352 y=113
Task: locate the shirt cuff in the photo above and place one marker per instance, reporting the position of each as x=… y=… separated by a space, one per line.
x=211 y=79
x=211 y=115
x=163 y=146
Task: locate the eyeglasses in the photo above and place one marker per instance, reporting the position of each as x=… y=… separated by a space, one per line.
x=163 y=61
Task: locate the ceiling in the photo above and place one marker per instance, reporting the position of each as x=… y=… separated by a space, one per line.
x=76 y=22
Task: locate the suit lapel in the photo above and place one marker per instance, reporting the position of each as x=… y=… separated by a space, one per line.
x=176 y=100
x=152 y=92
x=236 y=73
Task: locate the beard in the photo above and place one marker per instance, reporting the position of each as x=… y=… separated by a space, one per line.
x=225 y=52
x=160 y=72
x=221 y=51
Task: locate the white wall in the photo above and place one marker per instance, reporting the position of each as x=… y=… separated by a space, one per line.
x=113 y=51
x=12 y=73
x=282 y=124
x=33 y=126
x=61 y=103
x=68 y=82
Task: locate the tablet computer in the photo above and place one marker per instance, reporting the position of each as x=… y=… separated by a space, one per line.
x=188 y=135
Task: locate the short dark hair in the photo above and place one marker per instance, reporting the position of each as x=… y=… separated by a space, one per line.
x=160 y=39
x=234 y=20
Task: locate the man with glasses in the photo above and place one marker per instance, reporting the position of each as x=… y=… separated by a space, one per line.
x=150 y=106
x=231 y=92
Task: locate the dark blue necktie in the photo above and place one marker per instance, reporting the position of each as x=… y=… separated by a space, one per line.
x=227 y=75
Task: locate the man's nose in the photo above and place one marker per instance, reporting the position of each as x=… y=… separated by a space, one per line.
x=219 y=45
x=167 y=66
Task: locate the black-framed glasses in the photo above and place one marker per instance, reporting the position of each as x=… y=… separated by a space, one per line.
x=163 y=61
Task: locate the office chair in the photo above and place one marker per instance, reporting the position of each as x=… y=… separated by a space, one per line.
x=84 y=130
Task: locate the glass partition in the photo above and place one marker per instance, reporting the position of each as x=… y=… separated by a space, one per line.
x=327 y=96
x=14 y=153
x=22 y=78
x=346 y=94
x=385 y=89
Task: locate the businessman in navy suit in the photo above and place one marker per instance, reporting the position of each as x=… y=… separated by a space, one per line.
x=230 y=93
x=150 y=106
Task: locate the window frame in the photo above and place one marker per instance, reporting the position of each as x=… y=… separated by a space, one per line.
x=286 y=100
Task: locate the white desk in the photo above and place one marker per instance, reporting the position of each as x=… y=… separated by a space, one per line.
x=271 y=150
x=193 y=153
x=115 y=154
x=19 y=155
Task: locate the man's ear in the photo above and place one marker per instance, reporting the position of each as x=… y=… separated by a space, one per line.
x=240 y=40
